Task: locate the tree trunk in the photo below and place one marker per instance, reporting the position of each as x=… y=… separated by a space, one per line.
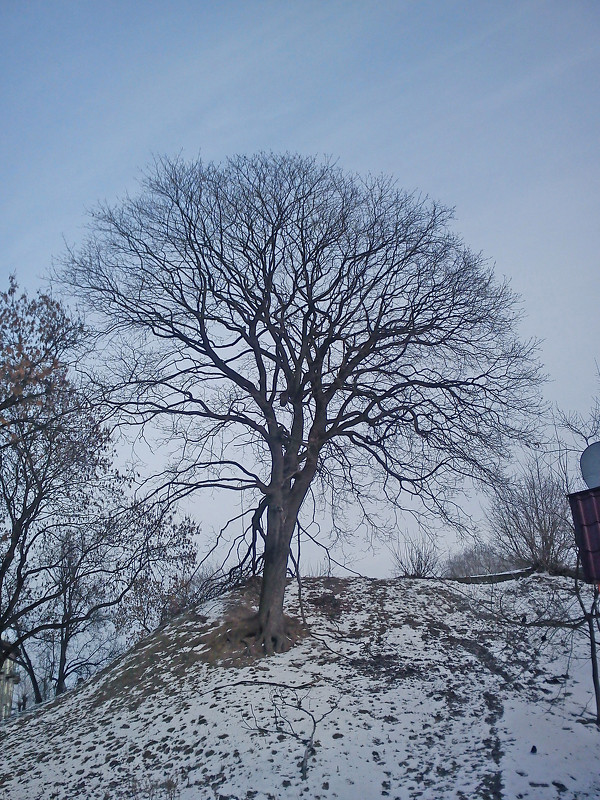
x=272 y=633
x=591 y=620
x=37 y=692
x=61 y=686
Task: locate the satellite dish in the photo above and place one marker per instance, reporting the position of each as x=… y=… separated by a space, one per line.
x=590 y=465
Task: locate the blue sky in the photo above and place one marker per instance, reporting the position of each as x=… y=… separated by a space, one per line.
x=491 y=107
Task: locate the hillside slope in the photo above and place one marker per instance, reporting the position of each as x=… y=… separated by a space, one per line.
x=409 y=689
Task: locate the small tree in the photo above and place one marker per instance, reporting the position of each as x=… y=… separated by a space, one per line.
x=165 y=587
x=303 y=329
x=35 y=336
x=98 y=570
x=97 y=562
x=581 y=429
x=530 y=519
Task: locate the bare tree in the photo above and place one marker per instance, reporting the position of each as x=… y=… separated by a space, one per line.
x=530 y=519
x=35 y=398
x=71 y=544
x=583 y=429
x=301 y=328
x=89 y=576
x=97 y=563
x=92 y=576
x=48 y=460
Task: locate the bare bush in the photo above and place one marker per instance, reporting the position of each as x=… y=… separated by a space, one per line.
x=530 y=520
x=480 y=558
x=416 y=558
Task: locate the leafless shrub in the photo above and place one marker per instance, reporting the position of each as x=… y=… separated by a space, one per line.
x=480 y=558
x=416 y=558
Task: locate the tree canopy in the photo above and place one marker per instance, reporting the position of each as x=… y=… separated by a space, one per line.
x=303 y=328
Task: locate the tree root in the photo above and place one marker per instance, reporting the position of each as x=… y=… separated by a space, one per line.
x=247 y=634
x=267 y=640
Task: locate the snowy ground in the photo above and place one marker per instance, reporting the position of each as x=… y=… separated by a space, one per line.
x=409 y=689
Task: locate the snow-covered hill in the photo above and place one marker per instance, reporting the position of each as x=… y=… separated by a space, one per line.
x=401 y=689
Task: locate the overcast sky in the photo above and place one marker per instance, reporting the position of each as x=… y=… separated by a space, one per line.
x=489 y=106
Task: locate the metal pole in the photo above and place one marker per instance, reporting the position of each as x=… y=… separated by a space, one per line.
x=594 y=651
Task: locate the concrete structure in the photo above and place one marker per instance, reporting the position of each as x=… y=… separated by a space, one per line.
x=9 y=676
